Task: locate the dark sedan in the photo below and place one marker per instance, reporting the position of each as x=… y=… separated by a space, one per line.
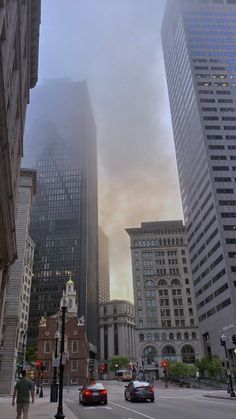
x=139 y=390
x=93 y=393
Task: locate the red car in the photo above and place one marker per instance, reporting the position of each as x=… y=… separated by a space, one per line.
x=93 y=393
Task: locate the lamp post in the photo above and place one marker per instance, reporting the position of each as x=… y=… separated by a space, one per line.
x=60 y=414
x=57 y=335
x=223 y=340
x=116 y=366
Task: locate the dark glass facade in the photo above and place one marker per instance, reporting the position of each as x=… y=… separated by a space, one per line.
x=61 y=146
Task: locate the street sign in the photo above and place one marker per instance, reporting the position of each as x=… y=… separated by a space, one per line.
x=55 y=362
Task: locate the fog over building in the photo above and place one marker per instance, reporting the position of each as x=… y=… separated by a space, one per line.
x=165 y=311
x=61 y=145
x=19 y=46
x=199 y=51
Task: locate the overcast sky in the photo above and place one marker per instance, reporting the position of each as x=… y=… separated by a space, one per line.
x=115 y=45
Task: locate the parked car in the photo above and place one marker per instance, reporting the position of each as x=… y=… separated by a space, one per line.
x=124 y=375
x=139 y=390
x=92 y=393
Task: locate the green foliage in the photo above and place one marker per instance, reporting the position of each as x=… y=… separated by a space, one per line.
x=180 y=369
x=119 y=363
x=210 y=366
x=31 y=354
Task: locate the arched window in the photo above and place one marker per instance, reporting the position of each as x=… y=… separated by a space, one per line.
x=156 y=336
x=188 y=354
x=163 y=336
x=178 y=336
x=70 y=303
x=186 y=336
x=175 y=282
x=162 y=283
x=104 y=310
x=164 y=242
x=169 y=352
x=150 y=354
x=115 y=309
x=141 y=337
x=194 y=336
x=171 y=336
x=149 y=337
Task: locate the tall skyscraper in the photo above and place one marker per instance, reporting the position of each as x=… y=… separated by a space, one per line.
x=165 y=312
x=199 y=43
x=103 y=267
x=19 y=46
x=61 y=146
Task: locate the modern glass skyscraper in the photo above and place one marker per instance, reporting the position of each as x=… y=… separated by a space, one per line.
x=199 y=43
x=61 y=146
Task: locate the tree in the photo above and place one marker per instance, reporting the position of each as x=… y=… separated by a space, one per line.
x=119 y=362
x=210 y=365
x=31 y=354
x=181 y=370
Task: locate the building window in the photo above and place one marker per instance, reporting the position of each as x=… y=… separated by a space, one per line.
x=47 y=366
x=104 y=310
x=105 y=342
x=47 y=347
x=141 y=337
x=74 y=380
x=178 y=336
x=74 y=346
x=188 y=354
x=115 y=309
x=116 y=347
x=74 y=365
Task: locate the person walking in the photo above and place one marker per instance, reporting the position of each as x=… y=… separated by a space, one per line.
x=22 y=392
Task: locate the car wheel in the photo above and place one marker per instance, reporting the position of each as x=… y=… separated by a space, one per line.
x=152 y=400
x=105 y=402
x=125 y=397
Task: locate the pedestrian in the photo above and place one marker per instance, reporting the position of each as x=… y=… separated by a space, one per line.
x=22 y=391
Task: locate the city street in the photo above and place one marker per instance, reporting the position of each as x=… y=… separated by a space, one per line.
x=170 y=403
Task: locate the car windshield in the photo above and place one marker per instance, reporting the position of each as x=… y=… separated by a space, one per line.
x=97 y=386
x=140 y=384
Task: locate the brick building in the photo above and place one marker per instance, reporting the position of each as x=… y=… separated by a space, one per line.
x=76 y=343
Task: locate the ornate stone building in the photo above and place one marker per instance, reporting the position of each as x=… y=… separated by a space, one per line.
x=19 y=38
x=103 y=267
x=116 y=325
x=165 y=313
x=76 y=369
x=15 y=320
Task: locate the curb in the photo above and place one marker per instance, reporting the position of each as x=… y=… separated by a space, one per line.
x=219 y=397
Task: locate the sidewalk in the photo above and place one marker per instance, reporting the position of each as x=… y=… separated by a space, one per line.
x=42 y=408
x=220 y=394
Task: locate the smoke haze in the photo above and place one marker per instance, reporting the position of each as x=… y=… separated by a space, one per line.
x=115 y=45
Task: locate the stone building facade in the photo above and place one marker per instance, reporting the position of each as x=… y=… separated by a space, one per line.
x=103 y=267
x=116 y=326
x=15 y=319
x=76 y=368
x=165 y=312
x=19 y=39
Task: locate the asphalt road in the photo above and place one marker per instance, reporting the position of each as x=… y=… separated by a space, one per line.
x=171 y=403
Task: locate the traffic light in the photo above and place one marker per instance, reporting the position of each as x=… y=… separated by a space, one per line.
x=38 y=364
x=165 y=364
x=223 y=340
x=234 y=339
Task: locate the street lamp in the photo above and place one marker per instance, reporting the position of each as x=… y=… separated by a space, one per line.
x=60 y=414
x=54 y=385
x=223 y=340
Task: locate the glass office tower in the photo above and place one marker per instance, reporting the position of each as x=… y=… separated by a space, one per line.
x=61 y=146
x=199 y=44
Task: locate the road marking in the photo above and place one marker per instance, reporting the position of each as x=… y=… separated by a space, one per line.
x=99 y=407
x=131 y=410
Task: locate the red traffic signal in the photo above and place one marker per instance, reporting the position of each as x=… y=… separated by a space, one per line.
x=38 y=364
x=165 y=363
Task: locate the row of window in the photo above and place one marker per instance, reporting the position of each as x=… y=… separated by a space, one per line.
x=171 y=336
x=159 y=242
x=214 y=310
x=166 y=323
x=48 y=346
